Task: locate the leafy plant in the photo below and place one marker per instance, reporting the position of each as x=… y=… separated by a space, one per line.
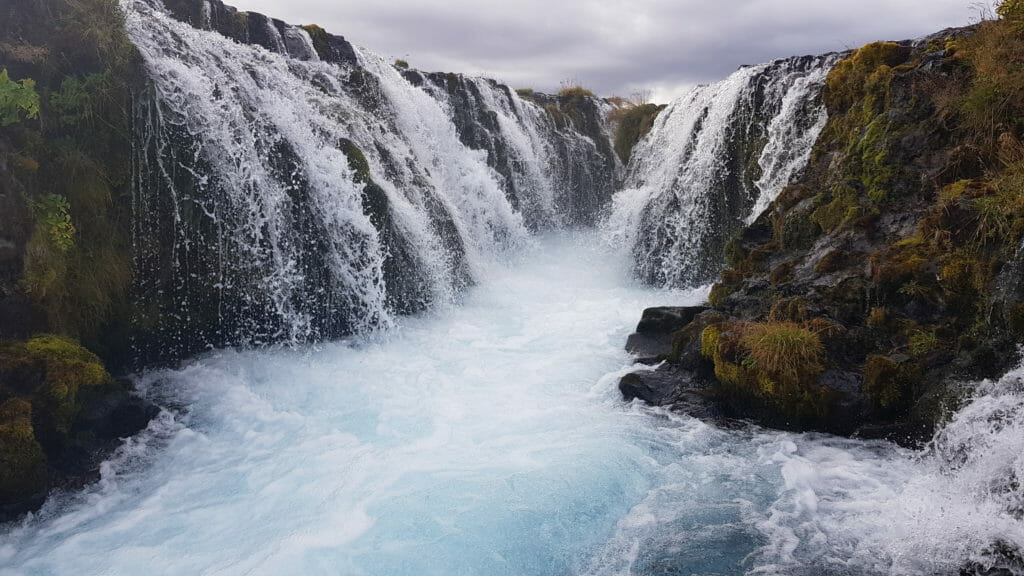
x=53 y=216
x=17 y=99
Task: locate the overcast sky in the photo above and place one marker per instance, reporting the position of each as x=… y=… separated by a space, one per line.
x=613 y=47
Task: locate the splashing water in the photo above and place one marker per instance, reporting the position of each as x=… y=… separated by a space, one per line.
x=490 y=438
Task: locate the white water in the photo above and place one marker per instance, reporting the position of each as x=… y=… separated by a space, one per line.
x=687 y=181
x=490 y=439
x=245 y=150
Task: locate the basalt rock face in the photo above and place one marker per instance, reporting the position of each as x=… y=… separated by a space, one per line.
x=886 y=274
x=320 y=191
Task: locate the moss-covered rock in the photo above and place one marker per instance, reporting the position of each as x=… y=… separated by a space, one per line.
x=60 y=411
x=898 y=247
x=22 y=462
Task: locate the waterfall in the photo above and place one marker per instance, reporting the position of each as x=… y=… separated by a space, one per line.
x=556 y=173
x=714 y=160
x=281 y=195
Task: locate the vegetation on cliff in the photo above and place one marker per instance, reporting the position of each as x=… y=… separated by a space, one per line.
x=65 y=174
x=634 y=122
x=895 y=259
x=65 y=166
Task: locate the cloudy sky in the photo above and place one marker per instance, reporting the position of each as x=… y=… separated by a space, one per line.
x=614 y=47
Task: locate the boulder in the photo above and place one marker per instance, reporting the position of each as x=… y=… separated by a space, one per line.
x=653 y=336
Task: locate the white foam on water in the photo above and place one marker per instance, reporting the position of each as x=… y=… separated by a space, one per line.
x=490 y=438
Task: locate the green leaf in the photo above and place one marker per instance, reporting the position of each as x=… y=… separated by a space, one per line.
x=17 y=99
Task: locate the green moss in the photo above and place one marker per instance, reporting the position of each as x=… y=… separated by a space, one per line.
x=719 y=292
x=843 y=207
x=356 y=161
x=22 y=462
x=68 y=369
x=51 y=348
x=709 y=342
x=853 y=76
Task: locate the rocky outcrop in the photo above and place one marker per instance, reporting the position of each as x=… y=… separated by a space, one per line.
x=886 y=274
x=61 y=414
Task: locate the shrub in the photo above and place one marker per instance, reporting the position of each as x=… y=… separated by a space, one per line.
x=575 y=92
x=17 y=99
x=401 y=64
x=53 y=218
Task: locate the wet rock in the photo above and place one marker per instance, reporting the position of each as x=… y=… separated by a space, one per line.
x=653 y=387
x=653 y=336
x=680 y=390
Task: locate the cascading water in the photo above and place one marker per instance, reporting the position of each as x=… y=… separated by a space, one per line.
x=313 y=199
x=305 y=189
x=552 y=172
x=715 y=159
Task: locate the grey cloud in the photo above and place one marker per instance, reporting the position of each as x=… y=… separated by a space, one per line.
x=615 y=46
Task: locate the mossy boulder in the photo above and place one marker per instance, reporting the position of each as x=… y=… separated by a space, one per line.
x=60 y=413
x=68 y=371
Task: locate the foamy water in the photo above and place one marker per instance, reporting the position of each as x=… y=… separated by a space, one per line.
x=490 y=438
